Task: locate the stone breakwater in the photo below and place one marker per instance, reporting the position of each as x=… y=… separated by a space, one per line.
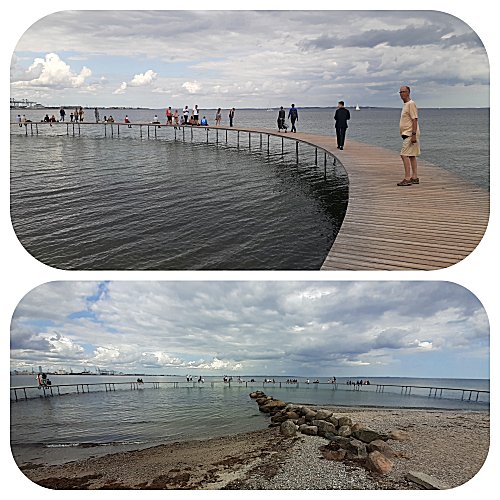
x=349 y=441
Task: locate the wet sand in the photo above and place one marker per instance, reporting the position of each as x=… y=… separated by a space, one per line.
x=451 y=446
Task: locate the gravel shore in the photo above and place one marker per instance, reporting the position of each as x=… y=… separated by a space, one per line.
x=447 y=445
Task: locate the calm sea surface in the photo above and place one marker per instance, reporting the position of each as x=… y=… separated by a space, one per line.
x=93 y=202
x=70 y=426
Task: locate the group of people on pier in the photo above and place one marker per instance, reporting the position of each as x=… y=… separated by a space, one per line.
x=43 y=380
x=358 y=382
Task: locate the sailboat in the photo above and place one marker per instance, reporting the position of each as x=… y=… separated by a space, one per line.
x=358 y=108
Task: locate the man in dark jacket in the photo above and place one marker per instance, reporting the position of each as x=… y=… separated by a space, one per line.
x=293 y=114
x=341 y=116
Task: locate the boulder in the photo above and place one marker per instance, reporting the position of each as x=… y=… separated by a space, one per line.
x=356 y=450
x=310 y=415
x=288 y=429
x=263 y=400
x=256 y=394
x=344 y=421
x=379 y=463
x=272 y=406
x=279 y=418
x=300 y=421
x=344 y=431
x=309 y=430
x=333 y=420
x=292 y=415
x=324 y=427
x=382 y=447
x=367 y=435
x=323 y=414
x=339 y=442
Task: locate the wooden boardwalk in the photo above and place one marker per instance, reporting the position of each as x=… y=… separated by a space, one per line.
x=428 y=226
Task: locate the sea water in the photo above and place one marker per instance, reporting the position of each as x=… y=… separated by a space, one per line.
x=95 y=202
x=69 y=426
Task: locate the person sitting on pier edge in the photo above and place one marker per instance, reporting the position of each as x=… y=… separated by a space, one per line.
x=127 y=121
x=281 y=120
x=204 y=122
x=155 y=119
x=111 y=119
x=46 y=118
x=201 y=379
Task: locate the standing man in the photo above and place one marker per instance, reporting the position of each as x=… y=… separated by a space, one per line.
x=231 y=116
x=96 y=114
x=293 y=114
x=62 y=113
x=410 y=133
x=341 y=116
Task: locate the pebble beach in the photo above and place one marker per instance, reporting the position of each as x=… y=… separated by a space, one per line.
x=449 y=446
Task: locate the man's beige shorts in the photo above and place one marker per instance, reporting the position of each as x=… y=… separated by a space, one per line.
x=410 y=148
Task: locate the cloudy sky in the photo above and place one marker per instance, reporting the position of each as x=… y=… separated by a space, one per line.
x=433 y=329
x=249 y=59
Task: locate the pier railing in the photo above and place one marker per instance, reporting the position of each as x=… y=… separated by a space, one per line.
x=147 y=130
x=24 y=393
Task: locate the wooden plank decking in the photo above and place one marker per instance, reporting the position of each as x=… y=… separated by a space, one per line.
x=432 y=225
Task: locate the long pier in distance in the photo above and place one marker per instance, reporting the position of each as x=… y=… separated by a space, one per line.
x=429 y=226
x=25 y=393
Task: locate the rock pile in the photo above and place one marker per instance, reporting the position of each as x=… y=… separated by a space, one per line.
x=348 y=440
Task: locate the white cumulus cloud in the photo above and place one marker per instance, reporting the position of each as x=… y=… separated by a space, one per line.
x=52 y=72
x=143 y=78
x=192 y=87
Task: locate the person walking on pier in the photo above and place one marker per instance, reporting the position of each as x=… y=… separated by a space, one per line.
x=96 y=114
x=293 y=114
x=410 y=133
x=231 y=116
x=281 y=120
x=62 y=114
x=341 y=116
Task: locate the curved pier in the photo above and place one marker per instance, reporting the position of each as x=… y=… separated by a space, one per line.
x=25 y=393
x=428 y=226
